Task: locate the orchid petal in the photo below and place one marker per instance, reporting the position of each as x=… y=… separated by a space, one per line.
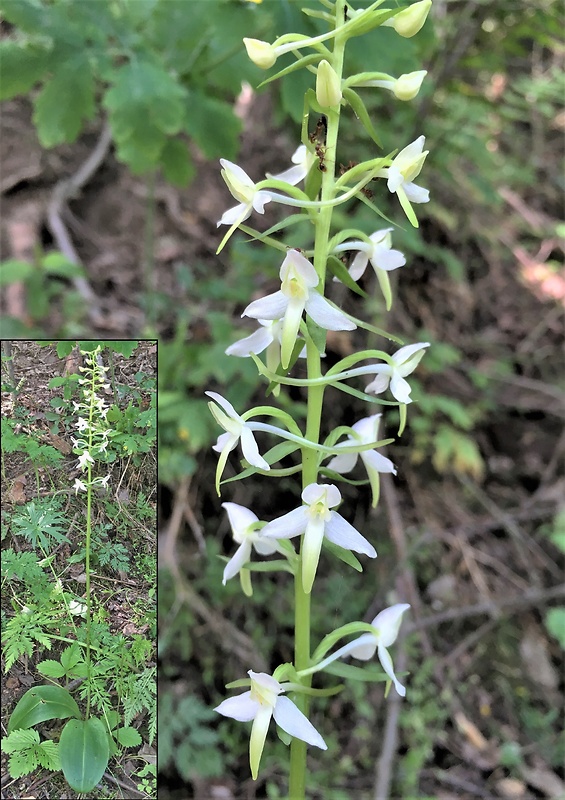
x=386 y=663
x=343 y=463
x=258 y=735
x=272 y=306
x=251 y=451
x=292 y=721
x=289 y=525
x=256 y=342
x=242 y=708
x=340 y=532
x=311 y=547
x=326 y=316
x=237 y=561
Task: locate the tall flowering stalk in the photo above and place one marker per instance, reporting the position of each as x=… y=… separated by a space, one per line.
x=91 y=442
x=295 y=320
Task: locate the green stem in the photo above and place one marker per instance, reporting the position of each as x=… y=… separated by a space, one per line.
x=297 y=780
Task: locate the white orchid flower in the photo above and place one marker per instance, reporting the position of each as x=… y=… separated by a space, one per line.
x=79 y=486
x=381 y=255
x=243 y=189
x=315 y=520
x=262 y=702
x=303 y=159
x=405 y=167
x=76 y=608
x=386 y=625
x=236 y=429
x=365 y=431
x=84 y=459
x=297 y=294
x=243 y=526
x=81 y=424
x=404 y=361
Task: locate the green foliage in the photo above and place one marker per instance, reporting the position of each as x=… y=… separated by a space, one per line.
x=41 y=523
x=71 y=665
x=42 y=288
x=555 y=624
x=25 y=568
x=39 y=454
x=139 y=694
x=20 y=633
x=162 y=70
x=27 y=753
x=188 y=740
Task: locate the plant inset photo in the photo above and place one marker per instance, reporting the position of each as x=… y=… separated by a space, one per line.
x=79 y=568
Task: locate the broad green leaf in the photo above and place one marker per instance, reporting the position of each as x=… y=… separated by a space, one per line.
x=84 y=753
x=13 y=270
x=22 y=66
x=51 y=669
x=124 y=348
x=213 y=125
x=57 y=118
x=128 y=737
x=26 y=14
x=58 y=264
x=42 y=703
x=177 y=164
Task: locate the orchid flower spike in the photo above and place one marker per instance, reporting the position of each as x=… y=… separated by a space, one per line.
x=406 y=166
x=262 y=702
x=303 y=159
x=297 y=294
x=243 y=189
x=243 y=523
x=365 y=431
x=404 y=361
x=236 y=429
x=315 y=519
x=381 y=255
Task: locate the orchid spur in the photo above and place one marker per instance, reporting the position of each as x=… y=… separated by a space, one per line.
x=316 y=520
x=262 y=702
x=296 y=295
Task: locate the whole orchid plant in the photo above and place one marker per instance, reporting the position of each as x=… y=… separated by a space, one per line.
x=293 y=324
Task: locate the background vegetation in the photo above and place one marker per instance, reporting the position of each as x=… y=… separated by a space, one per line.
x=472 y=531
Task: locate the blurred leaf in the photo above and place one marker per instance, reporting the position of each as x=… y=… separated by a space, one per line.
x=58 y=119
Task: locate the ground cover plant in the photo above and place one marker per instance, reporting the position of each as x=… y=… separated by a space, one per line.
x=78 y=566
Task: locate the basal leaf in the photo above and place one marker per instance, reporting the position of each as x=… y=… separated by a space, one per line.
x=84 y=753
x=42 y=703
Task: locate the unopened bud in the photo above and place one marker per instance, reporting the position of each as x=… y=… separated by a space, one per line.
x=408 y=22
x=261 y=53
x=328 y=89
x=407 y=86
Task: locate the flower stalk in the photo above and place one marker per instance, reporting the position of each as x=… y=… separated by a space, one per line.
x=294 y=322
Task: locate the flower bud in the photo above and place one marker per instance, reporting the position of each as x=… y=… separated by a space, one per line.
x=409 y=21
x=261 y=53
x=328 y=89
x=407 y=86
